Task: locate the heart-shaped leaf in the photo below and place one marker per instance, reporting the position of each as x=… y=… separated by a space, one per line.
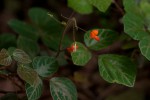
x=134 y=26
x=34 y=91
x=44 y=65
x=117 y=69
x=27 y=74
x=62 y=89
x=81 y=56
x=134 y=20
x=5 y=58
x=107 y=37
x=20 y=56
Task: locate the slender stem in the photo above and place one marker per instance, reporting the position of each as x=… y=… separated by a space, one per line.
x=53 y=18
x=74 y=26
x=63 y=34
x=118 y=7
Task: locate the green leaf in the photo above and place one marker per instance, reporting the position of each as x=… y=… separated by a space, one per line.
x=107 y=37
x=34 y=91
x=117 y=69
x=81 y=56
x=32 y=48
x=27 y=74
x=5 y=58
x=62 y=89
x=20 y=56
x=131 y=6
x=101 y=5
x=23 y=29
x=144 y=46
x=145 y=7
x=45 y=65
x=134 y=26
x=50 y=40
x=7 y=40
x=81 y=6
x=134 y=20
x=45 y=23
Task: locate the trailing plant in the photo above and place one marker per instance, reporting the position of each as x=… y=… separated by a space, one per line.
x=35 y=64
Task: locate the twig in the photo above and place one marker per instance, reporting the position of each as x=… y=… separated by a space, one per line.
x=118 y=7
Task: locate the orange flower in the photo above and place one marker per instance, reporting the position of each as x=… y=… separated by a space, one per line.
x=73 y=48
x=93 y=35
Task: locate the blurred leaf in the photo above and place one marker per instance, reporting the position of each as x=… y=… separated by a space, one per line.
x=45 y=65
x=62 y=89
x=144 y=46
x=27 y=74
x=81 y=6
x=9 y=96
x=134 y=26
x=134 y=20
x=7 y=40
x=131 y=6
x=117 y=69
x=46 y=23
x=101 y=5
x=23 y=29
x=107 y=37
x=20 y=56
x=28 y=45
x=81 y=56
x=5 y=58
x=145 y=6
x=34 y=91
x=50 y=40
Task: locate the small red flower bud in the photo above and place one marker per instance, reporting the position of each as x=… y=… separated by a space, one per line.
x=93 y=35
x=73 y=48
